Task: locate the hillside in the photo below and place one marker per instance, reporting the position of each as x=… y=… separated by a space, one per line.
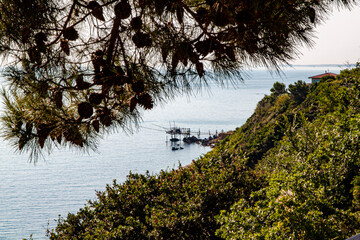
x=290 y=172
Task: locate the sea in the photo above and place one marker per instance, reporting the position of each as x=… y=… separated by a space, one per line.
x=34 y=195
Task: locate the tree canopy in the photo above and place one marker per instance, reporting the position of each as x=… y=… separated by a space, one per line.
x=76 y=69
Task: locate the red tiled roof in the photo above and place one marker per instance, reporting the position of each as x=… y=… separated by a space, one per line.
x=324 y=74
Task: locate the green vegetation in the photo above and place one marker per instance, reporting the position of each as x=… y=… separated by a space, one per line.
x=290 y=172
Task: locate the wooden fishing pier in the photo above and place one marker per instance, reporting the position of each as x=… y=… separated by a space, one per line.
x=187 y=136
x=179 y=134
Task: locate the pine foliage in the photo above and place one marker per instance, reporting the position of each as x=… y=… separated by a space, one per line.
x=79 y=68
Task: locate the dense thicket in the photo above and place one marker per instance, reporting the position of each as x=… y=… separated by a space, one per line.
x=77 y=69
x=290 y=172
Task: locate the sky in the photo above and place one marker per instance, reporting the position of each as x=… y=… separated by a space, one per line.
x=337 y=40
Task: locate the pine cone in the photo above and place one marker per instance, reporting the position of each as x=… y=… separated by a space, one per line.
x=73 y=135
x=142 y=39
x=122 y=9
x=145 y=100
x=70 y=33
x=138 y=86
x=85 y=110
x=96 y=98
x=312 y=14
x=97 y=10
x=136 y=23
x=203 y=47
x=40 y=39
x=80 y=83
x=106 y=120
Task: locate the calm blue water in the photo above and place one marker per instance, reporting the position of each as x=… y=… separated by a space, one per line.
x=32 y=196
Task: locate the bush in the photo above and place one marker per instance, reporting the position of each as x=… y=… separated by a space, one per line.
x=278 y=89
x=298 y=91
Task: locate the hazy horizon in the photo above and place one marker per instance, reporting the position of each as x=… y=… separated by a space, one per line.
x=336 y=40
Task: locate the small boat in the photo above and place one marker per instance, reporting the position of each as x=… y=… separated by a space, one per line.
x=174 y=139
x=174 y=148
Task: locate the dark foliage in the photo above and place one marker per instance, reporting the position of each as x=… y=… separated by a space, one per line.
x=298 y=91
x=124 y=49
